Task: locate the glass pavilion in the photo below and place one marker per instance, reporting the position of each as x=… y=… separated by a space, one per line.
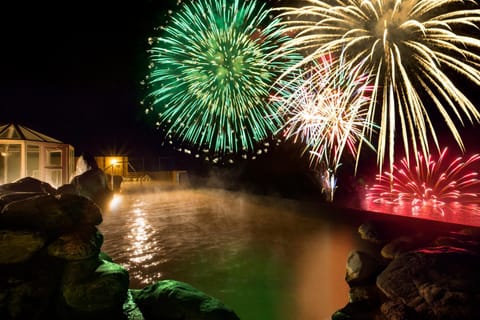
x=27 y=153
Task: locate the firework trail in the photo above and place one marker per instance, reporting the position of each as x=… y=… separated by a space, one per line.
x=411 y=47
x=210 y=79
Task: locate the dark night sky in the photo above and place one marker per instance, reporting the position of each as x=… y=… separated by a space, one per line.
x=73 y=71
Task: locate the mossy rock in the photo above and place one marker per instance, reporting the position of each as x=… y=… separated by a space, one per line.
x=104 y=291
x=173 y=300
x=19 y=246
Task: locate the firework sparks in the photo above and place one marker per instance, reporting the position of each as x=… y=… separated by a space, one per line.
x=411 y=47
x=325 y=108
x=209 y=80
x=432 y=183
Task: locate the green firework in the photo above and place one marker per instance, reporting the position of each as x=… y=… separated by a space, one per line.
x=210 y=74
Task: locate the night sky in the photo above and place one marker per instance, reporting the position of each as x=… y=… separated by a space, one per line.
x=73 y=71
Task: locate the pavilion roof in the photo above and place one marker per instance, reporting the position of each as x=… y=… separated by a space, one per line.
x=13 y=131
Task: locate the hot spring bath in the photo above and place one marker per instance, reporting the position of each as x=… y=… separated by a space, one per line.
x=265 y=257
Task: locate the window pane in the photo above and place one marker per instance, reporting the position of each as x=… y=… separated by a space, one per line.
x=10 y=162
x=54 y=158
x=33 y=161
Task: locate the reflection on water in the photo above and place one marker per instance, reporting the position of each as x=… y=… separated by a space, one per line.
x=267 y=258
x=455 y=213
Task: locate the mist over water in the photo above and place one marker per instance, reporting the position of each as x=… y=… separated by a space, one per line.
x=266 y=257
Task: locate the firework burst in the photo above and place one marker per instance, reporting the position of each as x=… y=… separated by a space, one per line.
x=411 y=47
x=430 y=183
x=210 y=79
x=325 y=108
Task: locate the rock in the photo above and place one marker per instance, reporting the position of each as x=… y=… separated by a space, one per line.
x=356 y=311
x=103 y=256
x=6 y=198
x=26 y=300
x=437 y=282
x=42 y=212
x=398 y=246
x=77 y=271
x=361 y=268
x=340 y=315
x=66 y=189
x=52 y=266
x=373 y=232
x=76 y=245
x=82 y=210
x=27 y=289
x=455 y=241
x=397 y=310
x=130 y=308
x=28 y=184
x=368 y=294
x=19 y=246
x=47 y=212
x=94 y=185
x=101 y=295
x=172 y=300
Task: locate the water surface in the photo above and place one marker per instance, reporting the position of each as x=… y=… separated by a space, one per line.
x=268 y=258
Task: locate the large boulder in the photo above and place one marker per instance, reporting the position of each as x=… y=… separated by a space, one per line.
x=437 y=282
x=41 y=212
x=27 y=184
x=77 y=245
x=96 y=295
x=50 y=213
x=94 y=185
x=6 y=198
x=174 y=300
x=81 y=209
x=361 y=268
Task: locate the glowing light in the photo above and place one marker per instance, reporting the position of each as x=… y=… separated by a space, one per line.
x=210 y=78
x=115 y=202
x=431 y=183
x=325 y=108
x=411 y=48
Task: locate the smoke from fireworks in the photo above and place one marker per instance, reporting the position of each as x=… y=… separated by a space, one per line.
x=210 y=79
x=411 y=47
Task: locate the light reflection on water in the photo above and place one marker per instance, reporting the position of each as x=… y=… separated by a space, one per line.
x=267 y=258
x=452 y=213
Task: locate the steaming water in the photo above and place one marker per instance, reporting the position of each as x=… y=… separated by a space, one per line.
x=267 y=258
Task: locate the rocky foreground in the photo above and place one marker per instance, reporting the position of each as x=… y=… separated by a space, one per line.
x=52 y=266
x=420 y=270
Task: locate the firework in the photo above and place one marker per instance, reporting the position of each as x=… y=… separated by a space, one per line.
x=412 y=47
x=210 y=79
x=325 y=108
x=430 y=183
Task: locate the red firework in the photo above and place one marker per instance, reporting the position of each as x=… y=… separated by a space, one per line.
x=433 y=183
